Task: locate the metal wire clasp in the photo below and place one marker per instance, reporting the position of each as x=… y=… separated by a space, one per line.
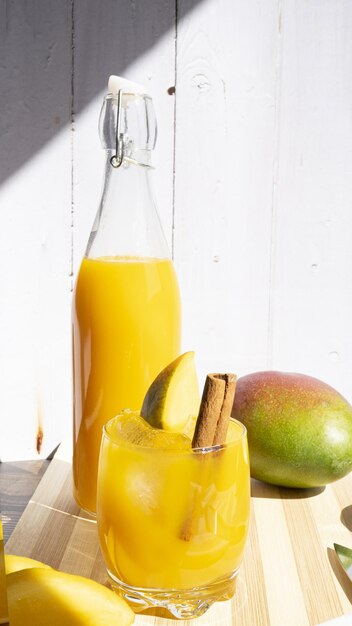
x=116 y=159
x=123 y=144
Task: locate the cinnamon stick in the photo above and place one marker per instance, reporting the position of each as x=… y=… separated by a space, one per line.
x=212 y=423
x=215 y=410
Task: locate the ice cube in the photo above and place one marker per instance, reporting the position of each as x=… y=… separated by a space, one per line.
x=131 y=427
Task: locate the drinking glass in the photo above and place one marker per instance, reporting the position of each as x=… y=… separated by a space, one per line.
x=172 y=520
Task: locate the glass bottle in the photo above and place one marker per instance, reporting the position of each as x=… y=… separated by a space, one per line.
x=126 y=304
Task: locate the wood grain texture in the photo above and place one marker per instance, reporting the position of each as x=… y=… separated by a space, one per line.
x=18 y=481
x=310 y=307
x=35 y=236
x=289 y=574
x=225 y=122
x=4 y=617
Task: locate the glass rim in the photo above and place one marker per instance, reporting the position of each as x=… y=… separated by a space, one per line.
x=202 y=450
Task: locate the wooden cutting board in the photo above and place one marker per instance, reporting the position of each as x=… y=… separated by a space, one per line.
x=290 y=575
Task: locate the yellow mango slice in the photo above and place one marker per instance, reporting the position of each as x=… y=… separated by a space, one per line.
x=14 y=563
x=47 y=597
x=173 y=396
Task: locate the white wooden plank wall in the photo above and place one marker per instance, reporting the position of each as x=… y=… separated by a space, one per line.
x=226 y=76
x=311 y=289
x=254 y=185
x=35 y=240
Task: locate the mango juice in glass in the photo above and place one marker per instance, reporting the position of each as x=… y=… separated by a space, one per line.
x=172 y=520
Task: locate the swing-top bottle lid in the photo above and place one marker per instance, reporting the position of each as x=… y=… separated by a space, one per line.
x=117 y=82
x=127 y=123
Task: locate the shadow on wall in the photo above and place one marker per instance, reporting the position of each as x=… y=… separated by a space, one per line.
x=55 y=57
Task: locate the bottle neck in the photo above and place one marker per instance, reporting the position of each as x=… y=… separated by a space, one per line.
x=127 y=127
x=127 y=223
x=126 y=153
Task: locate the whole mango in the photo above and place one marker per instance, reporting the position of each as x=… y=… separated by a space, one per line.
x=299 y=428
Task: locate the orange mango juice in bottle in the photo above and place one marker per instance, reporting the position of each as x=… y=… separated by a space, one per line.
x=126 y=305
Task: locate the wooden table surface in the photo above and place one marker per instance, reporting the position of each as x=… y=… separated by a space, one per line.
x=18 y=481
x=290 y=575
